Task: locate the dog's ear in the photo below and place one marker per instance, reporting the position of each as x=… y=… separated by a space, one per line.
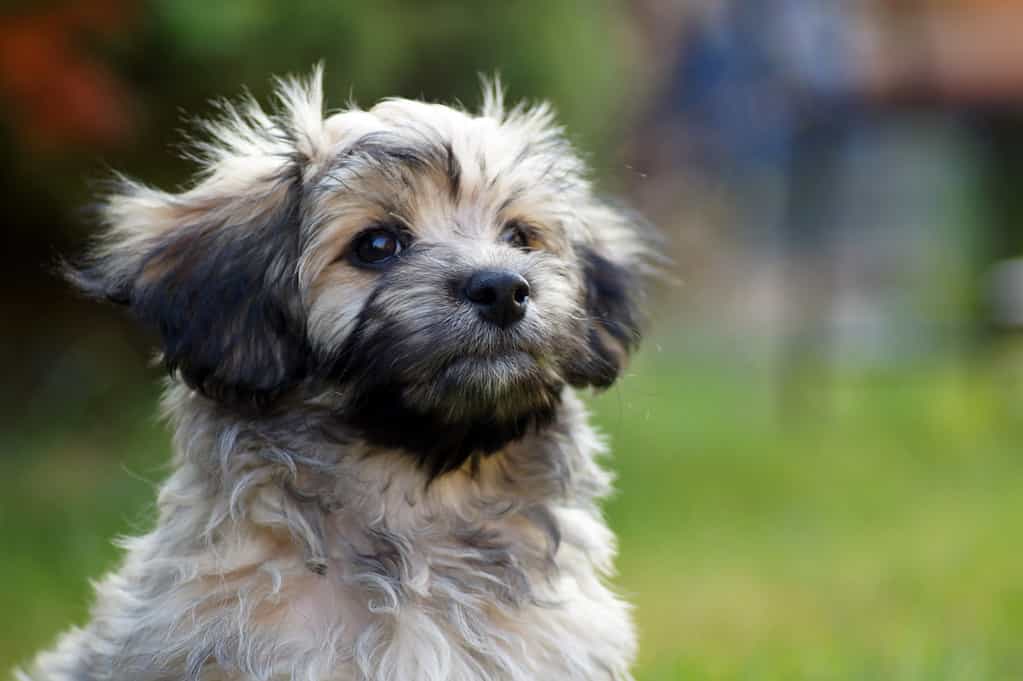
x=219 y=286
x=616 y=266
x=214 y=269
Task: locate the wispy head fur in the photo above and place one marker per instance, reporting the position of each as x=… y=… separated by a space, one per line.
x=373 y=323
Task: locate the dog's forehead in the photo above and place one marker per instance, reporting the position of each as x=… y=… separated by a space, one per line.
x=408 y=124
x=437 y=130
x=433 y=161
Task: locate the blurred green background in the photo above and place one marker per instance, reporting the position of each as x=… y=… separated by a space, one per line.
x=818 y=446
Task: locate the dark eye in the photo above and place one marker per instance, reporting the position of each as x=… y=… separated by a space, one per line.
x=376 y=246
x=517 y=235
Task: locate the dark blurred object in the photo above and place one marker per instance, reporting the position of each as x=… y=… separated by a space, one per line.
x=967 y=56
x=862 y=158
x=953 y=51
x=1005 y=286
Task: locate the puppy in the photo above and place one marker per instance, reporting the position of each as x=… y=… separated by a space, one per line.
x=373 y=323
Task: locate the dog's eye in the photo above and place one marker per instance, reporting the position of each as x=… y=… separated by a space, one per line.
x=376 y=246
x=517 y=235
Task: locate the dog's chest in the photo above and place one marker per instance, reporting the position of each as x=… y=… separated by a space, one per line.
x=517 y=597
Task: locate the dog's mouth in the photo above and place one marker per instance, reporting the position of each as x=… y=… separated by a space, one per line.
x=501 y=369
x=468 y=403
x=473 y=386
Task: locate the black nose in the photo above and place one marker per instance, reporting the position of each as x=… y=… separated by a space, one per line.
x=500 y=296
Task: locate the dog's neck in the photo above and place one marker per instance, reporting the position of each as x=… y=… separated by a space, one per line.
x=304 y=470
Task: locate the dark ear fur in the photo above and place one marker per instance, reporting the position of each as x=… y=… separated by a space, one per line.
x=613 y=293
x=223 y=297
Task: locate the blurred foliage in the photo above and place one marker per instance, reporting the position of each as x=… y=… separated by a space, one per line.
x=436 y=50
x=120 y=78
x=556 y=50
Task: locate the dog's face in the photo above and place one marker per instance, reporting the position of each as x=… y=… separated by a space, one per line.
x=441 y=276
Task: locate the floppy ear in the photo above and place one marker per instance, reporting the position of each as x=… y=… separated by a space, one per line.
x=214 y=269
x=222 y=294
x=616 y=265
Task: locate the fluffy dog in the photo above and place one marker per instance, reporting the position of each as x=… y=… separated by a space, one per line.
x=373 y=324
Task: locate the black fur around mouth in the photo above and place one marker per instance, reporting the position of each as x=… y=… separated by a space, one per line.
x=383 y=417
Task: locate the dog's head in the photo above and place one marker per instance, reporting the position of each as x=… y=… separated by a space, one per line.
x=442 y=275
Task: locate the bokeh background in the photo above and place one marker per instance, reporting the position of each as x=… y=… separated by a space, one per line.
x=819 y=447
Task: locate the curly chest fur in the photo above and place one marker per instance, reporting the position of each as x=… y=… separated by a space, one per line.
x=501 y=598
x=343 y=566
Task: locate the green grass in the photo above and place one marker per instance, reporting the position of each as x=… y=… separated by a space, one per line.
x=866 y=526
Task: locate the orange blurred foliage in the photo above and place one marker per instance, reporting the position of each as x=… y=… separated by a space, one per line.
x=57 y=94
